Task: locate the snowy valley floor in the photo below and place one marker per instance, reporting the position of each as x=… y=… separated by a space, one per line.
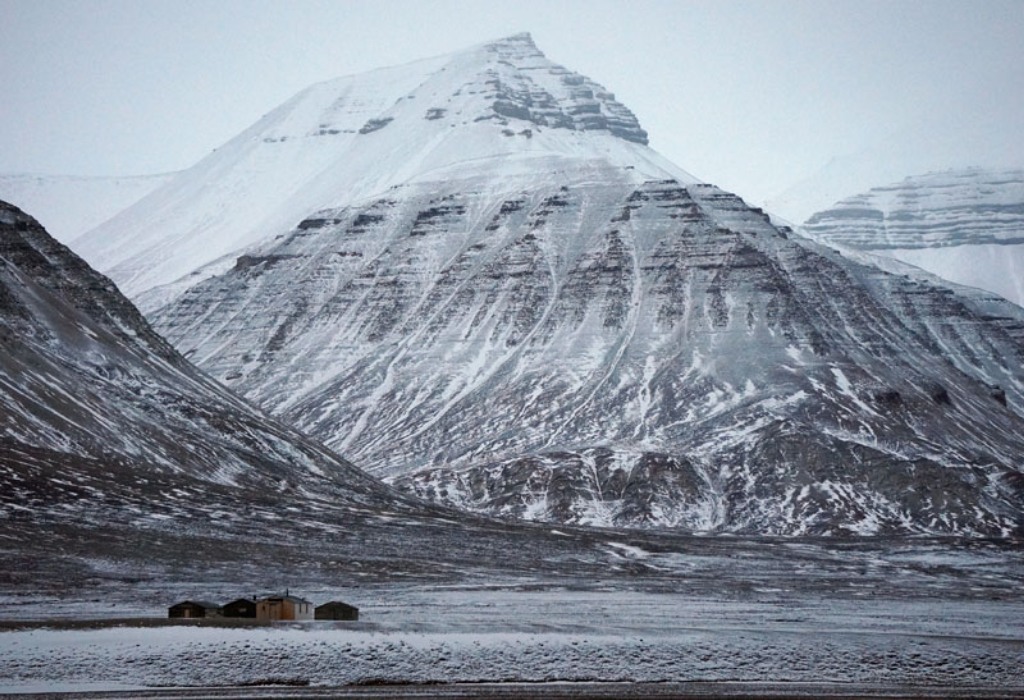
x=575 y=635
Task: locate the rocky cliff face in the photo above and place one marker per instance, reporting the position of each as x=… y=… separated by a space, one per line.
x=966 y=226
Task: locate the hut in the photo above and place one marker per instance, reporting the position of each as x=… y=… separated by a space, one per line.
x=189 y=609
x=284 y=607
x=243 y=607
x=336 y=610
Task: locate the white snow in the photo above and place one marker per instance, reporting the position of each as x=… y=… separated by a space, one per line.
x=468 y=635
x=846 y=388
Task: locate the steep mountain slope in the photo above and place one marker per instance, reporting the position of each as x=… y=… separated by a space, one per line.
x=964 y=225
x=83 y=374
x=540 y=318
x=121 y=464
x=68 y=205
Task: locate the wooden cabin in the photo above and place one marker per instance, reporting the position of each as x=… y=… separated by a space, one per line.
x=284 y=607
x=336 y=610
x=243 y=607
x=190 y=609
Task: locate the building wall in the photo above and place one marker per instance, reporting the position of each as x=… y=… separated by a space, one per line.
x=240 y=608
x=301 y=611
x=336 y=612
x=276 y=609
x=270 y=610
x=188 y=612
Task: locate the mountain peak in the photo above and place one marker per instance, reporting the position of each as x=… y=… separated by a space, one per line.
x=523 y=38
x=501 y=106
x=520 y=83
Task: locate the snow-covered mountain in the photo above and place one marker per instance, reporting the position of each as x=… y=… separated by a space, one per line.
x=86 y=384
x=352 y=138
x=121 y=463
x=504 y=300
x=966 y=226
x=70 y=205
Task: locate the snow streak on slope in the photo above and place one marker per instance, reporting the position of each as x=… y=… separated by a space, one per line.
x=966 y=226
x=68 y=206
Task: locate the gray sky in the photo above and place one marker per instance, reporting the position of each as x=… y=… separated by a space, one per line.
x=753 y=96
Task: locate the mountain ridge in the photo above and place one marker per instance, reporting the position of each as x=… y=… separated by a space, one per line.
x=964 y=225
x=85 y=374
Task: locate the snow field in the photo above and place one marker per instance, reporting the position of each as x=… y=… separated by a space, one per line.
x=554 y=635
x=187 y=656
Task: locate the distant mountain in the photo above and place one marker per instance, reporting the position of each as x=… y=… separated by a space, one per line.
x=507 y=302
x=966 y=226
x=951 y=138
x=69 y=205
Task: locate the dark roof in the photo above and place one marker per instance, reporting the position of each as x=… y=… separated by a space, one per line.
x=236 y=601
x=200 y=603
x=289 y=598
x=337 y=604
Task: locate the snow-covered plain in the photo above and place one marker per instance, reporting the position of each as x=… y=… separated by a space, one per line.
x=504 y=634
x=930 y=615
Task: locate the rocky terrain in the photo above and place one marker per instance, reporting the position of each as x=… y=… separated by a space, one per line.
x=539 y=318
x=966 y=226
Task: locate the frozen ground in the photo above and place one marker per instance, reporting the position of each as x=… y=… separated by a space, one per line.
x=444 y=600
x=531 y=632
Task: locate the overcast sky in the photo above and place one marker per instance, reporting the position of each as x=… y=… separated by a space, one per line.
x=753 y=96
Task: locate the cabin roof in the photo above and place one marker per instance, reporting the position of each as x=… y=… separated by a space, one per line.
x=288 y=597
x=337 y=604
x=200 y=603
